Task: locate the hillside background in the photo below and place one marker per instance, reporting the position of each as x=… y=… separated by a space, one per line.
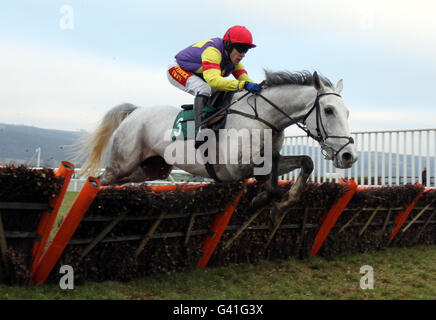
x=18 y=144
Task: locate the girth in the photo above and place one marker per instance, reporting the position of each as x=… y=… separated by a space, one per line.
x=211 y=171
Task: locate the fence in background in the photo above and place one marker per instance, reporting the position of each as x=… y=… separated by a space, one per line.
x=386 y=158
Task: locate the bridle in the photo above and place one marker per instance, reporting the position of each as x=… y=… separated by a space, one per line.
x=321 y=133
x=320 y=126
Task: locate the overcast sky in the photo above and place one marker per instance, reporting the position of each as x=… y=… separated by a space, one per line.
x=63 y=64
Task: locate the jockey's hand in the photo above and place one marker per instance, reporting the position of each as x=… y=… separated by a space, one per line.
x=252 y=87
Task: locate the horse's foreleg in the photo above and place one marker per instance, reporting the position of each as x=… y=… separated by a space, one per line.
x=153 y=168
x=280 y=166
x=271 y=184
x=289 y=163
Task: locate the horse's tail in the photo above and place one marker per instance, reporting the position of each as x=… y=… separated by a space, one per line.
x=96 y=143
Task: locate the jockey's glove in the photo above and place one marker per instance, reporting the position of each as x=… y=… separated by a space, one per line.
x=252 y=87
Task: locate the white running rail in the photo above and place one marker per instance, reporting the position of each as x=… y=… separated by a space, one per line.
x=386 y=158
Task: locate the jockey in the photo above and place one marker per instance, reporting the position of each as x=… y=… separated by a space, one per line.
x=201 y=68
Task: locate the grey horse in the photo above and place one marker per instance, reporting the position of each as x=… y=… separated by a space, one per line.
x=141 y=136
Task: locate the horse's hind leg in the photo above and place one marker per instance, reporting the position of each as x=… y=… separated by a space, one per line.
x=117 y=174
x=125 y=158
x=153 y=168
x=138 y=175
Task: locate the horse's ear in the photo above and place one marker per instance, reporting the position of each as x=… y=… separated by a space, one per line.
x=317 y=83
x=339 y=86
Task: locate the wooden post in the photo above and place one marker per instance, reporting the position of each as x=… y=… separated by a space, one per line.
x=3 y=248
x=386 y=220
x=351 y=220
x=102 y=234
x=302 y=234
x=424 y=226
x=369 y=221
x=150 y=232
x=242 y=228
x=417 y=216
x=188 y=231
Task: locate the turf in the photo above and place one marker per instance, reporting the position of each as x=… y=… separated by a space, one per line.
x=399 y=273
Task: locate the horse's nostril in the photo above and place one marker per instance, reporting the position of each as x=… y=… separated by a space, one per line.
x=347 y=156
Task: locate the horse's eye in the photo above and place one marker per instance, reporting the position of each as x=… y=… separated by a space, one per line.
x=329 y=111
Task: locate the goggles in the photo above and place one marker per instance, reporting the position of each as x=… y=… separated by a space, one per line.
x=241 y=48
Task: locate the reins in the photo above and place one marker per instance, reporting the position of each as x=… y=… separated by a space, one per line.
x=320 y=137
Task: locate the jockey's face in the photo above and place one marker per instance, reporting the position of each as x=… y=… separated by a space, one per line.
x=236 y=56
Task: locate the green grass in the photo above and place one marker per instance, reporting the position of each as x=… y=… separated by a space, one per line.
x=67 y=203
x=399 y=273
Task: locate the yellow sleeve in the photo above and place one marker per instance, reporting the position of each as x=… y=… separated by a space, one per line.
x=240 y=73
x=211 y=60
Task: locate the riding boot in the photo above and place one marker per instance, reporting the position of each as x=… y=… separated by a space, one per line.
x=199 y=102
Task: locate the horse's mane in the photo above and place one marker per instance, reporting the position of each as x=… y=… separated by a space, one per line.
x=303 y=78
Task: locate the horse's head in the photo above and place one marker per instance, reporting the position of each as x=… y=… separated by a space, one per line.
x=327 y=121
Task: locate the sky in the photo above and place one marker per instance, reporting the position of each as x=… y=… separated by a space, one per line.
x=64 y=64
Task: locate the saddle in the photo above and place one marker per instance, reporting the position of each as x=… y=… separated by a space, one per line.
x=185 y=118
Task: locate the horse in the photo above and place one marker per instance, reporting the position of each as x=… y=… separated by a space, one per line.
x=310 y=101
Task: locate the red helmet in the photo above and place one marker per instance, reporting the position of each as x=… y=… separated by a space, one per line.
x=239 y=34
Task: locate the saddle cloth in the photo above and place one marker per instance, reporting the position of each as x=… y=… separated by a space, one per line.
x=185 y=118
